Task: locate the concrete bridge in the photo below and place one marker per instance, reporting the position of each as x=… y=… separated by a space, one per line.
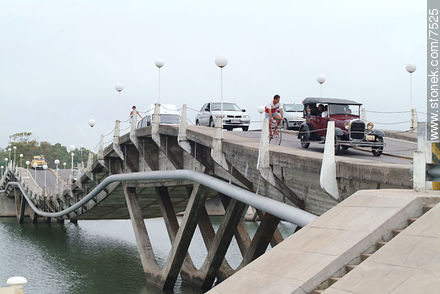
x=286 y=176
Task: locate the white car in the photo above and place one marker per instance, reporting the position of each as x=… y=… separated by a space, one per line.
x=168 y=115
x=233 y=116
x=293 y=115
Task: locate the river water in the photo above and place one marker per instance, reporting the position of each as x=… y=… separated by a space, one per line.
x=93 y=256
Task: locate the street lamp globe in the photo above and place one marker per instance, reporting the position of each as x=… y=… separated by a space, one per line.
x=221 y=61
x=411 y=68
x=45 y=166
x=320 y=79
x=64 y=164
x=57 y=161
x=91 y=122
x=9 y=149
x=21 y=155
x=72 y=148
x=27 y=162
x=260 y=109
x=159 y=63
x=15 y=147
x=6 y=159
x=119 y=87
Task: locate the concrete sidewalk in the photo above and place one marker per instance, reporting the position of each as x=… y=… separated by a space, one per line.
x=322 y=249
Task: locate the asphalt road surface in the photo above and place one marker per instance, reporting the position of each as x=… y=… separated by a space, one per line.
x=395 y=151
x=44 y=178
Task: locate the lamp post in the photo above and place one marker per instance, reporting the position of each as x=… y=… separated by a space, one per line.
x=9 y=153
x=35 y=170
x=27 y=164
x=72 y=148
x=64 y=165
x=15 y=151
x=411 y=68
x=159 y=64
x=45 y=179
x=1 y=171
x=21 y=159
x=6 y=162
x=221 y=62
x=321 y=80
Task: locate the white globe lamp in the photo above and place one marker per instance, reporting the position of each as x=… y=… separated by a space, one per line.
x=91 y=122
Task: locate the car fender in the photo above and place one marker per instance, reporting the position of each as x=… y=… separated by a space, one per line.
x=304 y=128
x=378 y=133
x=339 y=132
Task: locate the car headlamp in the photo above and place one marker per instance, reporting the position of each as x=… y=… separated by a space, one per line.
x=347 y=125
x=370 y=125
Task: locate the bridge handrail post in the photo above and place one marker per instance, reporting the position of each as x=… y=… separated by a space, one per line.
x=216 y=145
x=116 y=133
x=155 y=124
x=263 y=160
x=327 y=177
x=181 y=137
x=101 y=148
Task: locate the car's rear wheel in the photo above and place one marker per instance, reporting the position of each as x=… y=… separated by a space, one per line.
x=211 y=122
x=303 y=138
x=245 y=128
x=376 y=150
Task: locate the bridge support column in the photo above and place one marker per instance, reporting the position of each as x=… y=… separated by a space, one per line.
x=189 y=271
x=20 y=205
x=221 y=242
x=149 y=264
x=183 y=237
x=262 y=238
x=33 y=217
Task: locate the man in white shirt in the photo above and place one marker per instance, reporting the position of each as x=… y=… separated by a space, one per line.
x=271 y=110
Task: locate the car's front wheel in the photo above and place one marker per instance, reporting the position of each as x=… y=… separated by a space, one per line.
x=337 y=145
x=377 y=150
x=303 y=138
x=197 y=123
x=286 y=126
x=245 y=128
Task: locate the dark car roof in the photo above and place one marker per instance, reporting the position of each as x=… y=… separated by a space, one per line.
x=309 y=100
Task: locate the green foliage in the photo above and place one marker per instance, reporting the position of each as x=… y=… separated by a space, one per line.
x=30 y=147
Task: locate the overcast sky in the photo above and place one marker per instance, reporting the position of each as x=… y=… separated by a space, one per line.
x=60 y=60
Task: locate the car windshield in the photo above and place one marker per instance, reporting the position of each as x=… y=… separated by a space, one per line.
x=172 y=119
x=293 y=107
x=344 y=109
x=226 y=107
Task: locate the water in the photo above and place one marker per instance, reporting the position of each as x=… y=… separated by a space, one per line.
x=93 y=256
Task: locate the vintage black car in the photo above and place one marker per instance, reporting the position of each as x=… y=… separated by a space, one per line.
x=350 y=130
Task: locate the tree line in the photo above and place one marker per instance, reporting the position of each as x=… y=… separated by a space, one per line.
x=30 y=147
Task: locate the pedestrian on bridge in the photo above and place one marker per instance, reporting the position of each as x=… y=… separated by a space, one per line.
x=134 y=111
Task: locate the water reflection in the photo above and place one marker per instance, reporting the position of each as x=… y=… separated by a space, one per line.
x=93 y=256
